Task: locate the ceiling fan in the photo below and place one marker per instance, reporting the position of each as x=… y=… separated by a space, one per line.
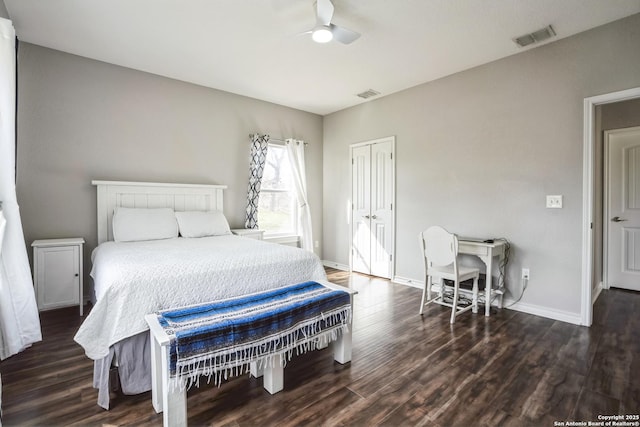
x=325 y=31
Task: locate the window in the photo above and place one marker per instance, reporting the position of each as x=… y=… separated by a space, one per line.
x=277 y=207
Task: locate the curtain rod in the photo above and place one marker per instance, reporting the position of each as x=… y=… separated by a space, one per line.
x=282 y=140
x=279 y=139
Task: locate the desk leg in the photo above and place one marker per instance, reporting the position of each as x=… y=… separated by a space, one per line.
x=488 y=280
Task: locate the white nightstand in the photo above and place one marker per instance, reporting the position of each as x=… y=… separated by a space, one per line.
x=252 y=233
x=57 y=273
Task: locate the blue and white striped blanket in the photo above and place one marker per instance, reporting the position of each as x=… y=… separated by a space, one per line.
x=223 y=337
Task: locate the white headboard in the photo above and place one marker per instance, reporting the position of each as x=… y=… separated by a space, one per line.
x=179 y=197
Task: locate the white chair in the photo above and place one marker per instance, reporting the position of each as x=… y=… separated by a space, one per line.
x=440 y=253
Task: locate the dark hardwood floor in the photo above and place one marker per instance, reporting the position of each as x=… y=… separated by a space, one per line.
x=511 y=369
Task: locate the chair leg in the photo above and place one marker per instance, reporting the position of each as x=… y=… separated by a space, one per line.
x=454 y=304
x=425 y=292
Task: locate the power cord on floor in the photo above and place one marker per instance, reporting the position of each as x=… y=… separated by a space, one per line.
x=525 y=282
x=502 y=269
x=505 y=260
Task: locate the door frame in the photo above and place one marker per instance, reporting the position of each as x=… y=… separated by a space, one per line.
x=606 y=212
x=588 y=193
x=391 y=139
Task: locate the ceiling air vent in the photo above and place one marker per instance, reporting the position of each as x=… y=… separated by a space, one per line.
x=535 y=37
x=368 y=93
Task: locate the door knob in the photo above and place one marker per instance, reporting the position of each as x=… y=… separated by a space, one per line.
x=367 y=216
x=373 y=217
x=617 y=219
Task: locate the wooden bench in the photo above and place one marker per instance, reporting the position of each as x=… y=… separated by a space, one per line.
x=171 y=399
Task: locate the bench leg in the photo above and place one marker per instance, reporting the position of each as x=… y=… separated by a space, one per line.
x=156 y=375
x=256 y=371
x=342 y=348
x=171 y=401
x=274 y=375
x=322 y=344
x=174 y=399
x=175 y=408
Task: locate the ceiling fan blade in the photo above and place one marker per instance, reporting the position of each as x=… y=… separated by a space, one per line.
x=304 y=32
x=344 y=35
x=325 y=11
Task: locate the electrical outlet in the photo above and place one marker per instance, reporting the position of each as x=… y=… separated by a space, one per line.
x=525 y=273
x=554 y=202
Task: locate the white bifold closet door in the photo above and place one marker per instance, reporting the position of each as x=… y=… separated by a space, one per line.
x=372 y=198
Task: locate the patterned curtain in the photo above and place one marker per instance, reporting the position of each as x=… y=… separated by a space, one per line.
x=258 y=157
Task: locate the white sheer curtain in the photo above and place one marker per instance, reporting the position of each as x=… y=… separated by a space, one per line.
x=19 y=320
x=295 y=149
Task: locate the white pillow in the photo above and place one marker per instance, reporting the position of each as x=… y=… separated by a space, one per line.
x=201 y=224
x=134 y=224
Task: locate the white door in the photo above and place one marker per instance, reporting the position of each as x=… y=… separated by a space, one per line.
x=623 y=208
x=372 y=196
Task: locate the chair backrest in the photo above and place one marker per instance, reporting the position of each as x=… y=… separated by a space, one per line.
x=440 y=248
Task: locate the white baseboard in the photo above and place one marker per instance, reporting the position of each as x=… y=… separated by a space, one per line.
x=335 y=265
x=596 y=293
x=408 y=282
x=549 y=313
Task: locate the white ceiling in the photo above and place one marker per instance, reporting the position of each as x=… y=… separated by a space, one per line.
x=253 y=47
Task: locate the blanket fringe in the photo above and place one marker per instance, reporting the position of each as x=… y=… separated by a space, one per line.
x=235 y=361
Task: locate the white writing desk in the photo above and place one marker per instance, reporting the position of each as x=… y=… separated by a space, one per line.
x=486 y=252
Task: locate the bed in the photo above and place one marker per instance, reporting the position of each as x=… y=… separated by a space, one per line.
x=136 y=277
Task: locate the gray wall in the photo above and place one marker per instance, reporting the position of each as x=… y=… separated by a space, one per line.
x=620 y=114
x=3 y=10
x=478 y=151
x=80 y=119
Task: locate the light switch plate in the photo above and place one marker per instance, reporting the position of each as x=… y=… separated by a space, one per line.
x=554 y=202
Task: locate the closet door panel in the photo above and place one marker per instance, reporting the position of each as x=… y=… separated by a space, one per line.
x=361 y=209
x=382 y=196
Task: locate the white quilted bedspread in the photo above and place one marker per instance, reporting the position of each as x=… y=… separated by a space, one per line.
x=136 y=278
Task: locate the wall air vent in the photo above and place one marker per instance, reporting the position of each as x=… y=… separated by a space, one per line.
x=368 y=93
x=535 y=37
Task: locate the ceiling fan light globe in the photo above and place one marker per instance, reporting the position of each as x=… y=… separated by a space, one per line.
x=322 y=35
